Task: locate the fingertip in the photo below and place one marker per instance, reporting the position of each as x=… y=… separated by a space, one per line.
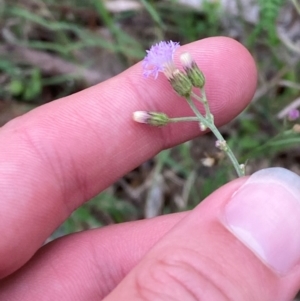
x=264 y=215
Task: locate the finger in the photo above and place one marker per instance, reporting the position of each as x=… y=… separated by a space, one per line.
x=103 y=257
x=236 y=245
x=88 y=265
x=71 y=149
x=199 y=254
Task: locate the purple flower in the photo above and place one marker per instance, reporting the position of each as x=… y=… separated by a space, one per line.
x=160 y=59
x=293 y=114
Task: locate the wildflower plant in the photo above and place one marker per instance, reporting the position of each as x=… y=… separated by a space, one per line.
x=160 y=59
x=293 y=115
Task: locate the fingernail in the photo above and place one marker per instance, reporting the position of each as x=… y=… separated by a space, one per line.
x=264 y=214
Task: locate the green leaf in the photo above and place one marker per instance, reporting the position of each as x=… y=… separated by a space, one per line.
x=16 y=87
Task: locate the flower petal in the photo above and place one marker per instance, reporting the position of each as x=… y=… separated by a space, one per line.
x=159 y=57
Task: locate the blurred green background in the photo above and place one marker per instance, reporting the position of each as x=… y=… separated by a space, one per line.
x=50 y=48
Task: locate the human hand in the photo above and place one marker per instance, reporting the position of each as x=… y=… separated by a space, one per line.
x=58 y=156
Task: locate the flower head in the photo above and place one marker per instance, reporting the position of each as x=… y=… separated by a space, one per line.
x=293 y=114
x=160 y=59
x=152 y=118
x=181 y=83
x=192 y=70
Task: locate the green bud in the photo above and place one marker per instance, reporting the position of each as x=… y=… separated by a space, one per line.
x=203 y=127
x=222 y=145
x=152 y=118
x=192 y=70
x=181 y=83
x=243 y=168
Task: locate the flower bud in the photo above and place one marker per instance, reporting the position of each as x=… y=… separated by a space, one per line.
x=152 y=118
x=192 y=70
x=293 y=114
x=181 y=83
x=243 y=168
x=222 y=145
x=203 y=127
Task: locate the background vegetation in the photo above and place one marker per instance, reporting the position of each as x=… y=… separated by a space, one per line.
x=51 y=48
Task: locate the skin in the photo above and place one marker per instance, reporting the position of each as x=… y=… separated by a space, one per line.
x=59 y=155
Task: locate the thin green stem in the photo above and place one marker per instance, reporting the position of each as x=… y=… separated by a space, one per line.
x=183 y=119
x=204 y=101
x=201 y=118
x=240 y=171
x=210 y=124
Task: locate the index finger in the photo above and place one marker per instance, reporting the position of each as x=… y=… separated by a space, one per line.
x=58 y=156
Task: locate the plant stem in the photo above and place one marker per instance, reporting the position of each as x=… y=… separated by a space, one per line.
x=240 y=171
x=182 y=119
x=204 y=101
x=200 y=117
x=210 y=124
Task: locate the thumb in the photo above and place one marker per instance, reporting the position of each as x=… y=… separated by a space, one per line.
x=241 y=243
